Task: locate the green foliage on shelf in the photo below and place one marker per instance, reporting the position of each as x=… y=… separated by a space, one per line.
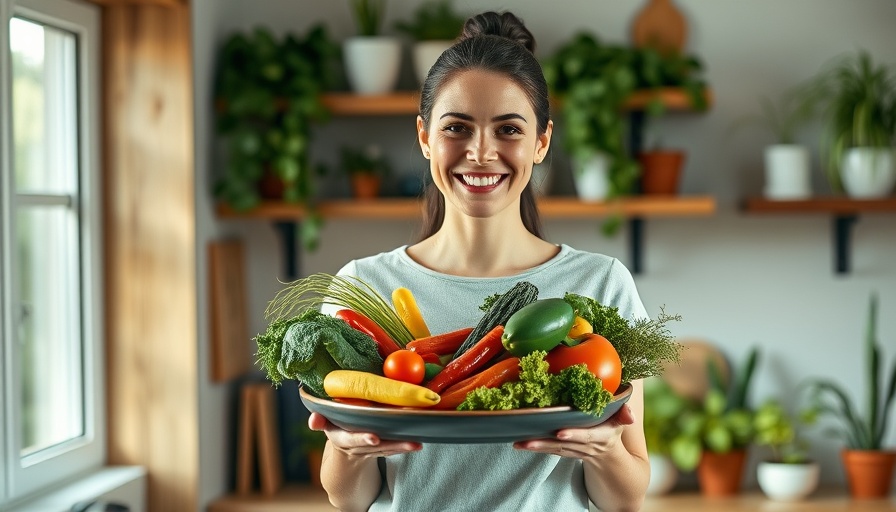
x=860 y=432
x=858 y=100
x=267 y=94
x=434 y=20
x=662 y=408
x=775 y=429
x=368 y=16
x=367 y=160
x=593 y=80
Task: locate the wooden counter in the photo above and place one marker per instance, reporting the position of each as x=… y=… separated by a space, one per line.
x=308 y=499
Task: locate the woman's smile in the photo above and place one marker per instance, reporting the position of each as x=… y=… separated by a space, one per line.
x=480 y=182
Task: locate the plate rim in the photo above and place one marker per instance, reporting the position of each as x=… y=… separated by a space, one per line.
x=409 y=411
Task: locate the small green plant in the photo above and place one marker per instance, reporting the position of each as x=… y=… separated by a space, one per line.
x=785 y=115
x=827 y=397
x=722 y=422
x=662 y=407
x=368 y=16
x=367 y=160
x=775 y=429
x=434 y=20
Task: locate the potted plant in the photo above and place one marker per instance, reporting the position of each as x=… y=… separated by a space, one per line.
x=858 y=99
x=788 y=474
x=716 y=432
x=869 y=466
x=267 y=94
x=372 y=60
x=592 y=81
x=662 y=407
x=366 y=168
x=433 y=28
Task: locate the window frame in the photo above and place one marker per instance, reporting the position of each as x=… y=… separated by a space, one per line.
x=25 y=476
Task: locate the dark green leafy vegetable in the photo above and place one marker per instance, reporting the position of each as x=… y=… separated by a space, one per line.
x=574 y=386
x=499 y=311
x=644 y=346
x=311 y=345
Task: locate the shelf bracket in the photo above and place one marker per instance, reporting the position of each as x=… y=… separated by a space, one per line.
x=287 y=231
x=636 y=239
x=842 y=241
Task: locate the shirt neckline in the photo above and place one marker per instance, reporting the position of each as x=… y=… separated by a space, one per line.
x=407 y=260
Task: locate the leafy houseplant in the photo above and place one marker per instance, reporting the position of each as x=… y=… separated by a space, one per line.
x=434 y=27
x=858 y=99
x=717 y=429
x=788 y=474
x=593 y=80
x=372 y=60
x=267 y=93
x=662 y=407
x=863 y=434
x=366 y=168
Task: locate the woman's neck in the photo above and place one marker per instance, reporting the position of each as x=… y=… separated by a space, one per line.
x=482 y=247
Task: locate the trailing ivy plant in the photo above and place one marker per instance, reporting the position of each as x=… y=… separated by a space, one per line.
x=267 y=95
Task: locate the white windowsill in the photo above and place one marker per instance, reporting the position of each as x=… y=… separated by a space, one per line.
x=121 y=484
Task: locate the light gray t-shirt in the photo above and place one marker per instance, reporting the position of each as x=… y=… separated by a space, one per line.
x=488 y=477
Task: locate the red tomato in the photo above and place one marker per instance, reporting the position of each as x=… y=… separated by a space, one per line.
x=596 y=352
x=404 y=365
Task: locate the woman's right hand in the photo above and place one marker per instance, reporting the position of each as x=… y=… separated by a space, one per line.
x=359 y=444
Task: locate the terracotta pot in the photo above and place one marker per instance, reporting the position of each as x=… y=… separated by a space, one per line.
x=314 y=460
x=719 y=474
x=869 y=473
x=365 y=186
x=660 y=172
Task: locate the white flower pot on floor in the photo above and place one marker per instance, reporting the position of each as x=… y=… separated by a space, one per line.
x=787 y=169
x=372 y=64
x=787 y=482
x=868 y=173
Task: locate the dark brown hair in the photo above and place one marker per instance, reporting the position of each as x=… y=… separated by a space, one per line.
x=501 y=43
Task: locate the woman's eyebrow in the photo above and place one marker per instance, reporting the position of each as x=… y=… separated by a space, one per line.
x=468 y=117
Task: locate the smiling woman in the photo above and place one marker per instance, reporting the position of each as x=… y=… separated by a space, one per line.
x=52 y=411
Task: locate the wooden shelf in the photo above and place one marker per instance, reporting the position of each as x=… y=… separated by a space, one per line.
x=303 y=498
x=285 y=216
x=844 y=211
x=407 y=102
x=550 y=208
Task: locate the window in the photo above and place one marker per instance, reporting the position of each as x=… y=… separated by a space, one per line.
x=51 y=405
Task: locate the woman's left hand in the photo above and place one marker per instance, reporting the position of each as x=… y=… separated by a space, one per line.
x=583 y=443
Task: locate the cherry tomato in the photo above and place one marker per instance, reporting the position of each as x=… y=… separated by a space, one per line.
x=597 y=353
x=404 y=365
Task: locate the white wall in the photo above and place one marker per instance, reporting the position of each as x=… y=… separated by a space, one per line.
x=737 y=280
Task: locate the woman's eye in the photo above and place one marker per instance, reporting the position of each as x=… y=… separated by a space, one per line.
x=455 y=128
x=509 y=130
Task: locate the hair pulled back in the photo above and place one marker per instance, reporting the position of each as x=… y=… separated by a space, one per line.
x=500 y=43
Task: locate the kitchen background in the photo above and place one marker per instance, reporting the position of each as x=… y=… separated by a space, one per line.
x=738 y=280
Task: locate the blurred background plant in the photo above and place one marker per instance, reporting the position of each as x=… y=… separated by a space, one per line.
x=777 y=430
x=368 y=16
x=434 y=20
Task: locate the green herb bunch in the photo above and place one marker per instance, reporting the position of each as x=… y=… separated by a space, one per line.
x=644 y=345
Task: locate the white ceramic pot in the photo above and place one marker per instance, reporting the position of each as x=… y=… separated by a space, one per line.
x=425 y=54
x=787 y=172
x=663 y=475
x=868 y=173
x=372 y=64
x=592 y=177
x=787 y=482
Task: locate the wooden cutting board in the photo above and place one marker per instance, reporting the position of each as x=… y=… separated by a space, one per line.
x=660 y=25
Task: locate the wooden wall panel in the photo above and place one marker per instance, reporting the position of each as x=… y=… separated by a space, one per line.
x=150 y=250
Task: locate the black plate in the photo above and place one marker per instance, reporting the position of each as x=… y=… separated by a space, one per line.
x=459 y=427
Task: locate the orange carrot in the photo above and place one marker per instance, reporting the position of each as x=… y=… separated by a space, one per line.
x=479 y=354
x=506 y=370
x=444 y=343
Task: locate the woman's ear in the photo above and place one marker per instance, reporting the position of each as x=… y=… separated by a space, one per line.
x=423 y=137
x=544 y=143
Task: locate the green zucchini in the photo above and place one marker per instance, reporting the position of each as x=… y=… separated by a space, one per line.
x=541 y=325
x=521 y=294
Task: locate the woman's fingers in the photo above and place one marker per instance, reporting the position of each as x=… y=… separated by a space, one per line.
x=583 y=442
x=359 y=444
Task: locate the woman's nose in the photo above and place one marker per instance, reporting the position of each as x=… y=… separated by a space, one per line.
x=482 y=149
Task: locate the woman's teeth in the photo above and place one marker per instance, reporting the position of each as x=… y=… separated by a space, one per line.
x=480 y=181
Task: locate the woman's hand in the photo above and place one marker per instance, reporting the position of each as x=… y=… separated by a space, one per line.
x=583 y=443
x=359 y=444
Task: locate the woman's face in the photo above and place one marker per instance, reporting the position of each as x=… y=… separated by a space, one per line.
x=482 y=142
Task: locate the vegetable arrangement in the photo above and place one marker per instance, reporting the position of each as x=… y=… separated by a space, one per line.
x=524 y=351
